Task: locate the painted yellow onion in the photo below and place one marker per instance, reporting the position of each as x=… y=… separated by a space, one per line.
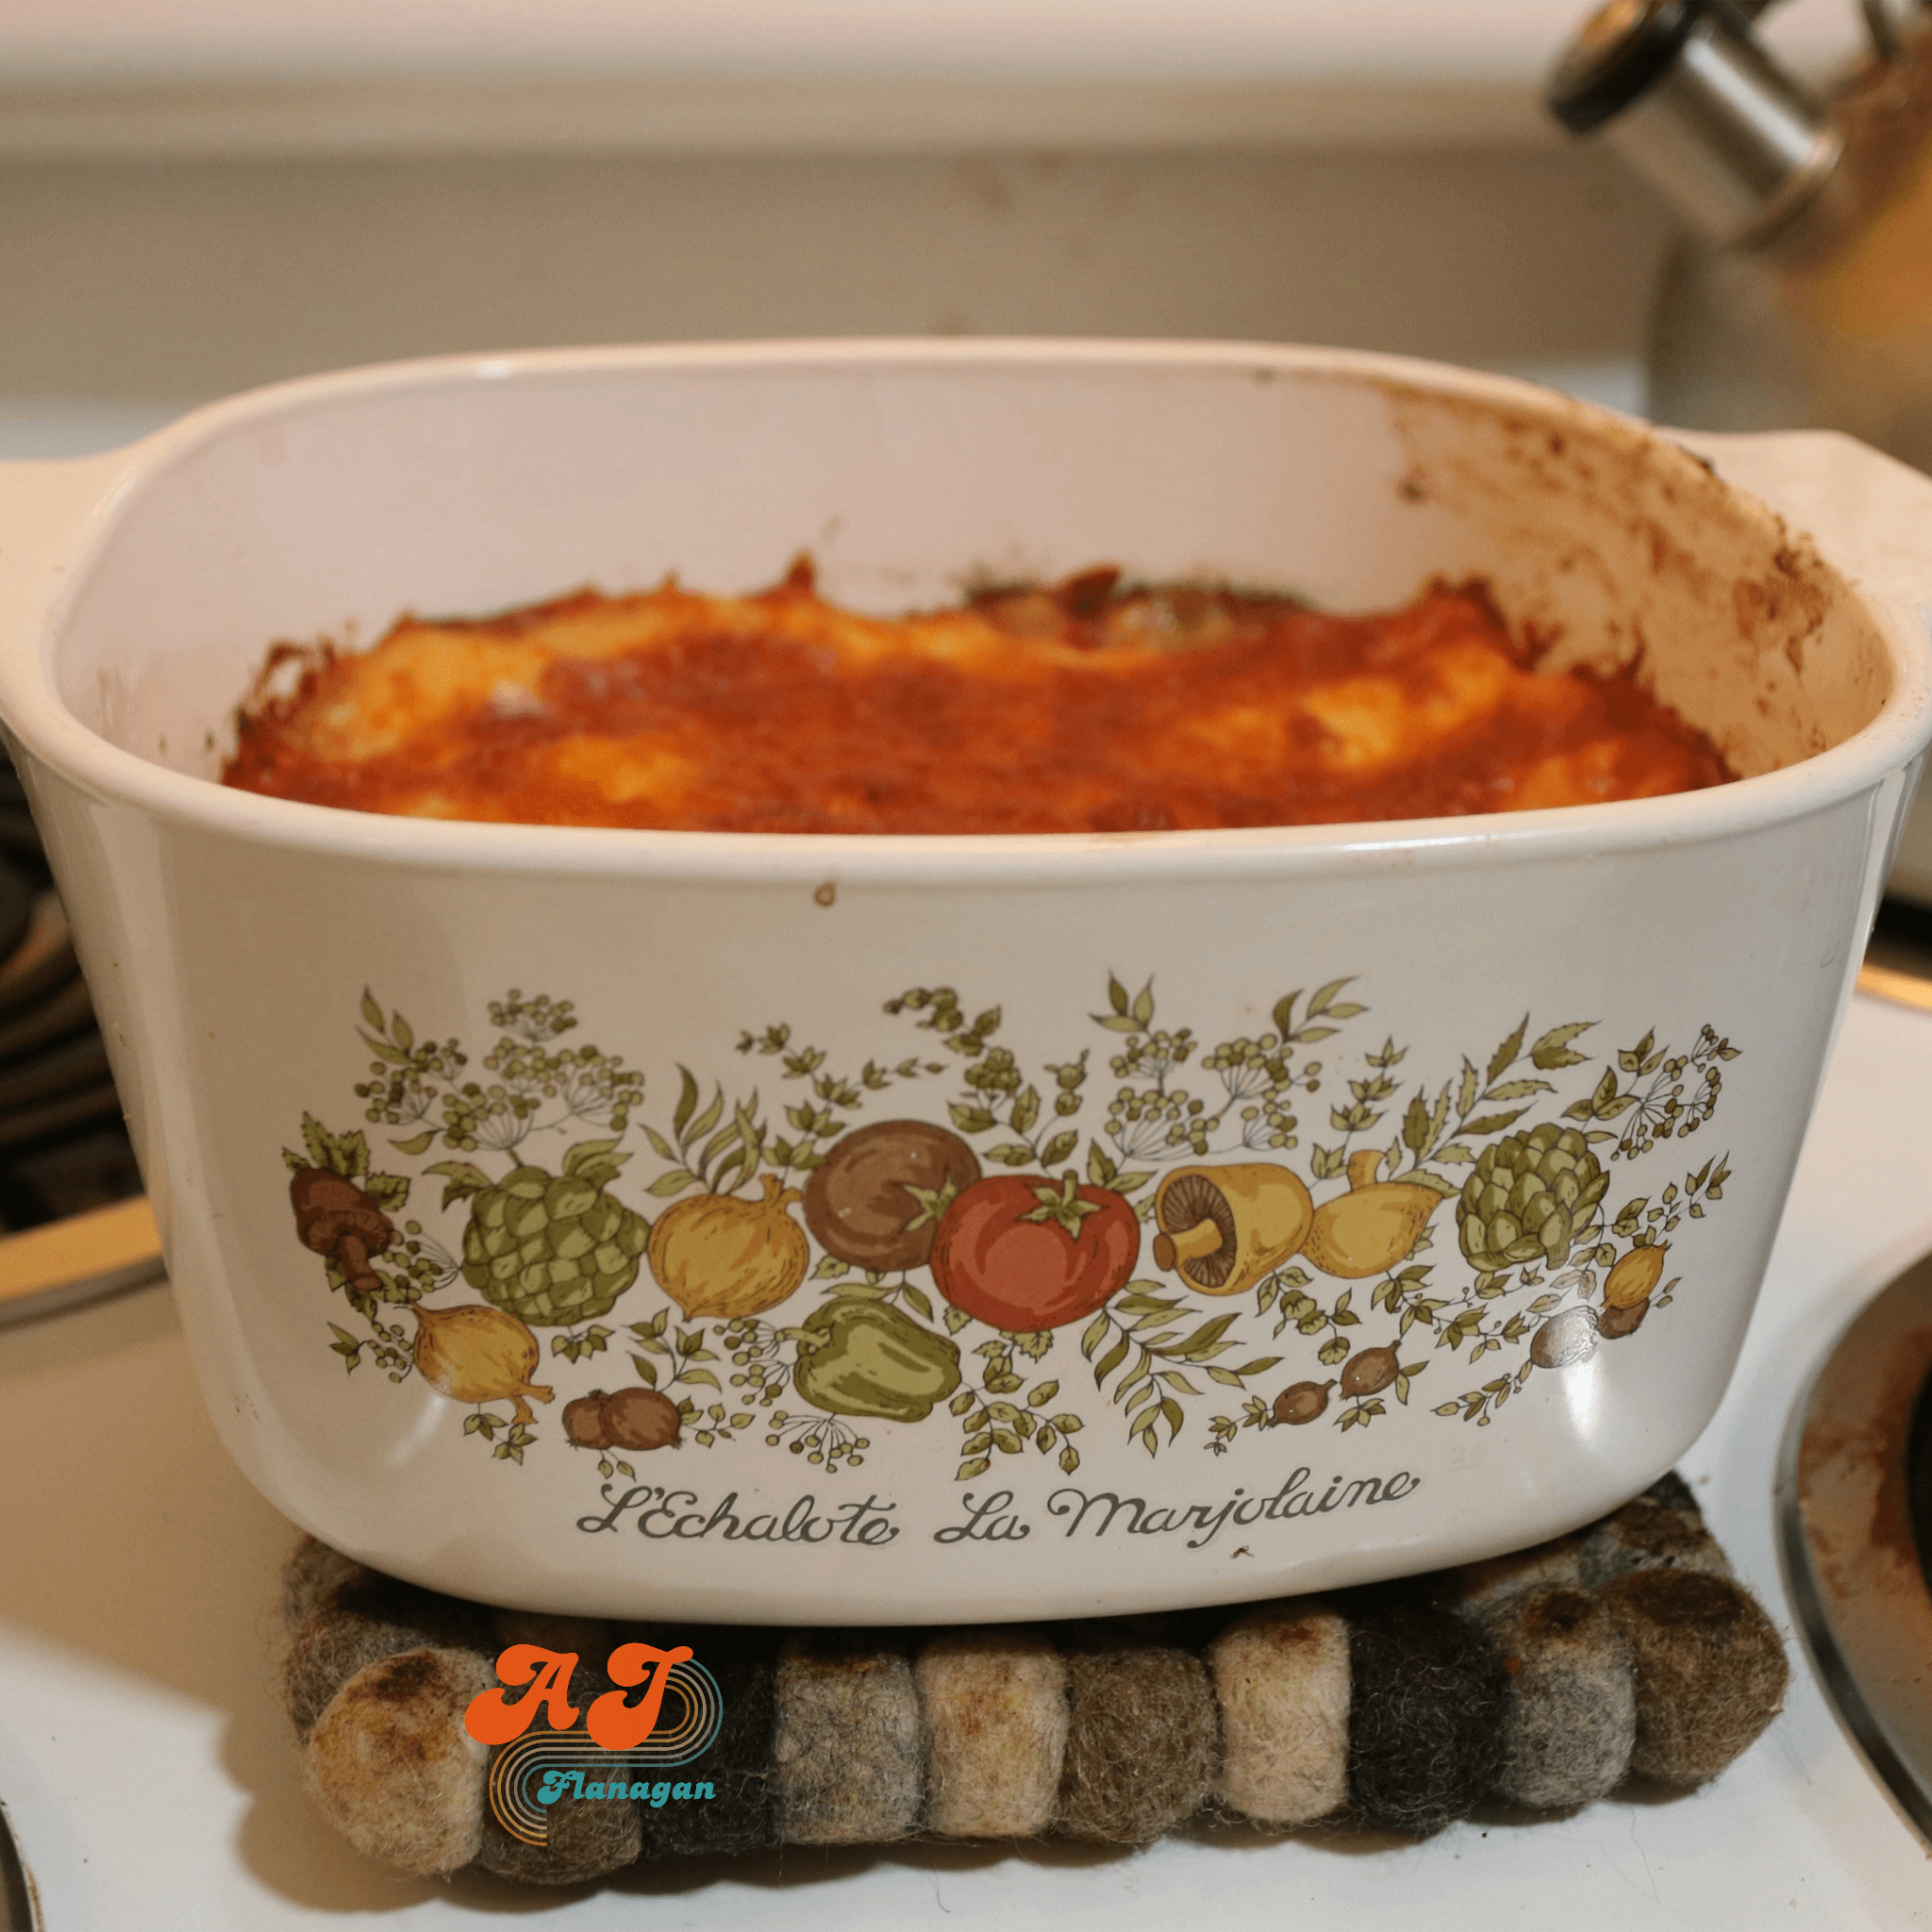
x=1223 y=1229
x=1372 y=1227
x=1635 y=1277
x=718 y=1255
x=477 y=1354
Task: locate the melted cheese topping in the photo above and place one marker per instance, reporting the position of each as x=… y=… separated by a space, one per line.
x=1079 y=708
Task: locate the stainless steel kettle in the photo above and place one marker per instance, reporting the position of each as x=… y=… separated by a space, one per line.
x=1802 y=295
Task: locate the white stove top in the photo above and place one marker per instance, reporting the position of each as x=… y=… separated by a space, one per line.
x=144 y=1766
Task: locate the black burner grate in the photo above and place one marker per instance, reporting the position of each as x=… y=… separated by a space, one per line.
x=63 y=1149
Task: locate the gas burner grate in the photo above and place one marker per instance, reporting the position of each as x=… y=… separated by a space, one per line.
x=72 y=1223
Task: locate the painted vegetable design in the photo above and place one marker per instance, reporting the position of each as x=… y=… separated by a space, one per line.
x=1628 y=1290
x=1370 y=1372
x=899 y=1234
x=1302 y=1402
x=1019 y=1253
x=1526 y=1198
x=860 y=1356
x=1374 y=1227
x=719 y=1255
x=334 y=1217
x=878 y=1200
x=474 y=1354
x=553 y=1250
x=1614 y=1324
x=1566 y=1339
x=630 y=1419
x=1223 y=1229
x=1633 y=1280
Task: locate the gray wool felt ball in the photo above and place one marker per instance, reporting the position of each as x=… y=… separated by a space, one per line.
x=1570 y=1712
x=1648 y=1533
x=359 y=1621
x=586 y=1835
x=1426 y=1733
x=851 y=1748
x=1143 y=1737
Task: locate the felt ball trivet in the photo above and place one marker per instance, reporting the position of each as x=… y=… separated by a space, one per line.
x=1541 y=1679
x=1143 y=1737
x=1282 y=1680
x=742 y=1817
x=995 y=1707
x=849 y=1758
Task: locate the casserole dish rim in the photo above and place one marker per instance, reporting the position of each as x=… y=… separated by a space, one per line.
x=35 y=714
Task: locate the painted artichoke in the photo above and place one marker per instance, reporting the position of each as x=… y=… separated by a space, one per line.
x=1527 y=1198
x=554 y=1249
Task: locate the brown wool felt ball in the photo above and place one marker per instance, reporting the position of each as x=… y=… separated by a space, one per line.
x=1673 y=1493
x=1649 y=1535
x=1711 y=1670
x=1557 y=1563
x=359 y=1621
x=1143 y=1738
x=392 y=1767
x=740 y=1814
x=995 y=1708
x=1426 y=1735
x=1281 y=1679
x=313 y=1573
x=589 y=1839
x=586 y=1837
x=850 y=1749
x=1570 y=1721
x=588 y=1637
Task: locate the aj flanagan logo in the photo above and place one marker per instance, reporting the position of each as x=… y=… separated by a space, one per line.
x=676 y=1719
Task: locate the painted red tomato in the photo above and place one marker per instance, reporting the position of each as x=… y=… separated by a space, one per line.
x=1021 y=1253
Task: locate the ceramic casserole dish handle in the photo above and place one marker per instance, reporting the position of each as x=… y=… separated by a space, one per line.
x=1869 y=513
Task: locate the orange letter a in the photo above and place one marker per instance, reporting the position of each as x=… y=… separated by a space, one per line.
x=491 y=1719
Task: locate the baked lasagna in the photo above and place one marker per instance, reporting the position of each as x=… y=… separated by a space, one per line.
x=1090 y=706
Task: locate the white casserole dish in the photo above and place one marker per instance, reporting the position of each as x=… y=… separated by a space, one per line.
x=244 y=951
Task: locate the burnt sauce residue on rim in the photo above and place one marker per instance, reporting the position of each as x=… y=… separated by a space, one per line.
x=1610 y=546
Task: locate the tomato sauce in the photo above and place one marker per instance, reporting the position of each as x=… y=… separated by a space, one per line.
x=1086 y=707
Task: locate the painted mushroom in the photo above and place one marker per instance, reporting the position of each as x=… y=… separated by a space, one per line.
x=1372 y=1227
x=1223 y=1229
x=335 y=1218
